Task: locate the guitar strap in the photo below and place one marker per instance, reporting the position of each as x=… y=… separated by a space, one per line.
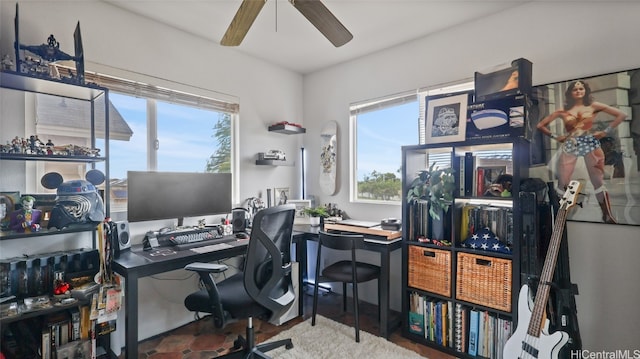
x=563 y=312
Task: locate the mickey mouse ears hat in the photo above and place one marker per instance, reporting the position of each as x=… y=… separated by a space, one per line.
x=53 y=180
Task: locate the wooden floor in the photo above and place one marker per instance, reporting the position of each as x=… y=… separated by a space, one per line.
x=199 y=339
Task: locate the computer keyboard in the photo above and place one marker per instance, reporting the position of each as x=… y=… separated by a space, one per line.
x=206 y=242
x=188 y=235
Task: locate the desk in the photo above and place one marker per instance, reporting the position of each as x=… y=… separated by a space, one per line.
x=136 y=264
x=133 y=265
x=379 y=244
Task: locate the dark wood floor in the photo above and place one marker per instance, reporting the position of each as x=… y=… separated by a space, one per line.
x=199 y=339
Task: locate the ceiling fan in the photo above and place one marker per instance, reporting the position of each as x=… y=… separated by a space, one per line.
x=313 y=10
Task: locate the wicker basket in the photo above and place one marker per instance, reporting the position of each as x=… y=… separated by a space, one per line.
x=484 y=280
x=430 y=270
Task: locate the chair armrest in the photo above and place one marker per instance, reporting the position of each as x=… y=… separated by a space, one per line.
x=206 y=267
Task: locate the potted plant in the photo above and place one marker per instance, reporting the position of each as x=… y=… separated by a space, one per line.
x=315 y=213
x=434 y=185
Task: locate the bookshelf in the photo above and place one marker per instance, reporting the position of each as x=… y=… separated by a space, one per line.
x=454 y=283
x=28 y=306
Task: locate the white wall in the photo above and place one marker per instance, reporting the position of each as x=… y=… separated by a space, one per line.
x=563 y=40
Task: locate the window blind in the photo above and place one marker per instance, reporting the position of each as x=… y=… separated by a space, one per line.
x=147 y=90
x=377 y=104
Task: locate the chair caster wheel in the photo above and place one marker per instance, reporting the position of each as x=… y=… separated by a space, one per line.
x=237 y=344
x=288 y=346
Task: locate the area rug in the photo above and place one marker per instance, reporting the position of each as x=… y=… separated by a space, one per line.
x=329 y=339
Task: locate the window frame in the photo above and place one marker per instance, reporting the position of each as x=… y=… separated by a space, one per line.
x=386 y=102
x=359 y=108
x=154 y=89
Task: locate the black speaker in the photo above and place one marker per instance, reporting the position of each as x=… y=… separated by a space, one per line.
x=239 y=220
x=122 y=234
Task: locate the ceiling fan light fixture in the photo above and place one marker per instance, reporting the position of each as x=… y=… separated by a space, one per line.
x=320 y=16
x=242 y=21
x=314 y=10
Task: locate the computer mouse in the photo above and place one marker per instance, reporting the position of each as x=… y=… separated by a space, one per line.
x=242 y=235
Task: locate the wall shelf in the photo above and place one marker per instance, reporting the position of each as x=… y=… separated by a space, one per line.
x=274 y=163
x=287 y=129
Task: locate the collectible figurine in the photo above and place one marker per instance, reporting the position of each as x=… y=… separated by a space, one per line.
x=49 y=146
x=6 y=63
x=16 y=145
x=26 y=219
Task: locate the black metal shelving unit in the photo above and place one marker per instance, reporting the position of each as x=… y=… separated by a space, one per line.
x=90 y=93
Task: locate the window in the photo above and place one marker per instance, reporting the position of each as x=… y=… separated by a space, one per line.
x=164 y=129
x=168 y=137
x=185 y=139
x=378 y=129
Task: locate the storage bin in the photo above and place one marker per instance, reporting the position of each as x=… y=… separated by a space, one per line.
x=429 y=269
x=484 y=280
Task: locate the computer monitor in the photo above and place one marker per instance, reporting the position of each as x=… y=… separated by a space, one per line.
x=169 y=195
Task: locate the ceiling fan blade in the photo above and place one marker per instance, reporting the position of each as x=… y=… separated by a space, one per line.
x=242 y=21
x=323 y=20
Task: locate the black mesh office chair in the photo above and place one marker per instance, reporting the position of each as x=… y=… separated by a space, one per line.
x=264 y=289
x=345 y=271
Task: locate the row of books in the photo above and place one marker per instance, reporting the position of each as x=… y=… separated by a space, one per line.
x=431 y=318
x=499 y=220
x=70 y=333
x=62 y=328
x=424 y=228
x=480 y=333
x=457 y=326
x=64 y=334
x=476 y=175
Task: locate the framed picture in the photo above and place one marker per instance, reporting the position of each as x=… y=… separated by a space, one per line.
x=301 y=204
x=280 y=196
x=446 y=118
x=604 y=153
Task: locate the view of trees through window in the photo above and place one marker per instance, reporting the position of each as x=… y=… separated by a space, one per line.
x=220 y=160
x=380 y=133
x=189 y=139
x=380 y=129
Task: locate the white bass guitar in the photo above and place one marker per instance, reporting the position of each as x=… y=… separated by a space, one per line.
x=531 y=338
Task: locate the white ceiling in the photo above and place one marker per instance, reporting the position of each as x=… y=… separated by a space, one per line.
x=283 y=36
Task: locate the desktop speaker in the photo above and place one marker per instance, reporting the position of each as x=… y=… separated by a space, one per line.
x=122 y=234
x=239 y=220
